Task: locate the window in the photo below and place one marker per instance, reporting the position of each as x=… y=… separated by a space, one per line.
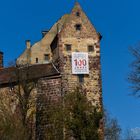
x=90 y=48
x=36 y=60
x=46 y=57
x=78 y=27
x=77 y=14
x=81 y=78
x=68 y=47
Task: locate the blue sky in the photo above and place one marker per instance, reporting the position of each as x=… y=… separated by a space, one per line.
x=118 y=21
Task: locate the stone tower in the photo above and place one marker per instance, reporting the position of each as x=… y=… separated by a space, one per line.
x=78 y=37
x=75 y=54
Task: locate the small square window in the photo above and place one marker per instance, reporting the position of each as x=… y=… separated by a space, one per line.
x=81 y=78
x=46 y=57
x=90 y=48
x=68 y=47
x=78 y=27
x=77 y=14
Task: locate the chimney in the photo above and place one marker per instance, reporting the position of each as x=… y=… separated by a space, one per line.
x=44 y=33
x=28 y=44
x=1 y=60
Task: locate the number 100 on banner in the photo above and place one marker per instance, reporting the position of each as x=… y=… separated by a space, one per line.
x=80 y=63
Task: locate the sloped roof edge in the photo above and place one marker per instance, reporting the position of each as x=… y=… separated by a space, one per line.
x=11 y=74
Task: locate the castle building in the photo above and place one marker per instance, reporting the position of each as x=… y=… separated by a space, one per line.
x=66 y=56
x=71 y=33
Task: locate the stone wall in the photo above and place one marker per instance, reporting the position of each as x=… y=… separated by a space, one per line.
x=49 y=93
x=10 y=99
x=92 y=81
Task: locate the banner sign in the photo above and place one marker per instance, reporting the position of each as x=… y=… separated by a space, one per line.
x=80 y=63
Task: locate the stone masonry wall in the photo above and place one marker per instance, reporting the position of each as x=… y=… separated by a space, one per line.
x=49 y=91
x=92 y=81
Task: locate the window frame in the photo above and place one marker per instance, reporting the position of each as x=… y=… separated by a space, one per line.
x=68 y=47
x=81 y=78
x=91 y=48
x=77 y=14
x=78 y=27
x=46 y=56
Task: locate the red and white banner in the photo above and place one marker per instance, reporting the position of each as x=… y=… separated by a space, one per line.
x=80 y=63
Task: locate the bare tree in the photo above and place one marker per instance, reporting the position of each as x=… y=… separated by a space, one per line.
x=129 y=135
x=22 y=89
x=11 y=126
x=112 y=128
x=134 y=76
